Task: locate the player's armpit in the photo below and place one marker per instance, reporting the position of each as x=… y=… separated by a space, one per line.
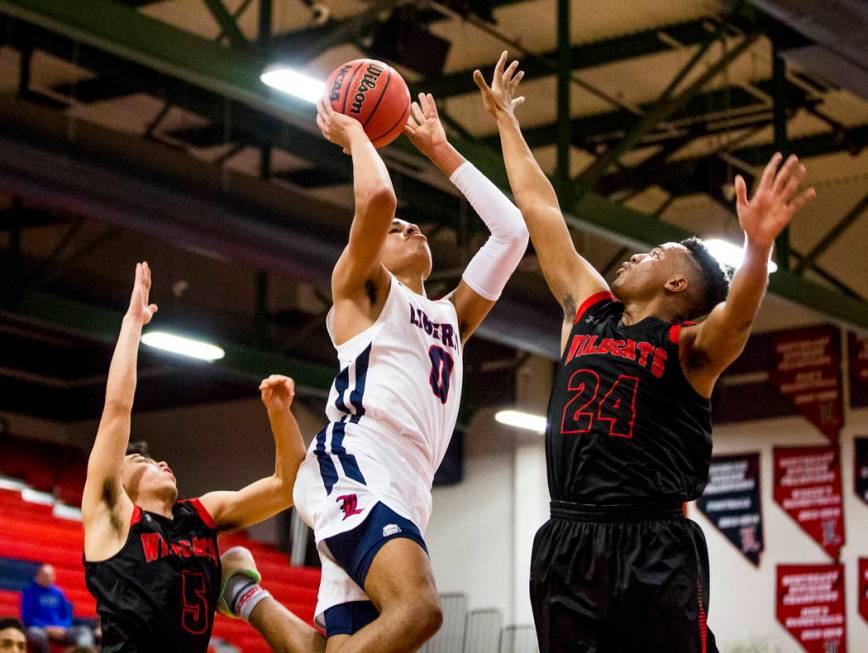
x=471 y=308
x=707 y=349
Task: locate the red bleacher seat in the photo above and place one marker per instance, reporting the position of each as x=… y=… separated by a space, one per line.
x=10 y=604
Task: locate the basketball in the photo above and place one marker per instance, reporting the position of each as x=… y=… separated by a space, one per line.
x=373 y=93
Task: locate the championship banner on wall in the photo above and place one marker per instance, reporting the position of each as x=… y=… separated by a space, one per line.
x=810 y=605
x=731 y=501
x=857 y=354
x=806 y=369
x=860 y=462
x=863 y=588
x=808 y=488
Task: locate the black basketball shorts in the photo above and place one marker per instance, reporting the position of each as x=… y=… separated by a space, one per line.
x=623 y=579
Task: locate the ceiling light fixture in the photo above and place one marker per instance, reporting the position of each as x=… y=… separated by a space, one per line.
x=290 y=81
x=182 y=345
x=522 y=420
x=729 y=254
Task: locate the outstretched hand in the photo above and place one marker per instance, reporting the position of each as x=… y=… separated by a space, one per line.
x=774 y=202
x=140 y=310
x=336 y=127
x=277 y=392
x=424 y=128
x=499 y=98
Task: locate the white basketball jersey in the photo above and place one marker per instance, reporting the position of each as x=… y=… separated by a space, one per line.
x=393 y=406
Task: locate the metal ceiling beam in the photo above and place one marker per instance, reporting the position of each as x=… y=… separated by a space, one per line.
x=226 y=21
x=586 y=55
x=335 y=33
x=102 y=324
x=662 y=109
x=592 y=131
x=301 y=42
x=851 y=141
x=120 y=30
x=127 y=33
x=829 y=239
x=245 y=124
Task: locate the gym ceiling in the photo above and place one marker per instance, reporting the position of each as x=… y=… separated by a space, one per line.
x=136 y=129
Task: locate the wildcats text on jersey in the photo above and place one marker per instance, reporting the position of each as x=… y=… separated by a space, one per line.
x=155 y=547
x=442 y=331
x=644 y=354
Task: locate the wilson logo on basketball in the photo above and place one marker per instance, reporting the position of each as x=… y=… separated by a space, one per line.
x=368 y=83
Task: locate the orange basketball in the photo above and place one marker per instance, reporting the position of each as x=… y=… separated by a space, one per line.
x=373 y=93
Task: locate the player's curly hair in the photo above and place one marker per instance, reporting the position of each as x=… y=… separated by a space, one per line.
x=715 y=277
x=140 y=447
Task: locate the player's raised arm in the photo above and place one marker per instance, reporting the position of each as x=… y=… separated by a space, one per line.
x=717 y=342
x=268 y=496
x=104 y=502
x=375 y=204
x=569 y=276
x=492 y=266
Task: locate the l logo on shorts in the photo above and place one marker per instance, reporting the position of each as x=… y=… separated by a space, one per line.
x=349 y=503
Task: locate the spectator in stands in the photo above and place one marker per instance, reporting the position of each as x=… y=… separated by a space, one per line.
x=47 y=614
x=12 y=639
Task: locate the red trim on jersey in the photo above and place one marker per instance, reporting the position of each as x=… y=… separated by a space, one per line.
x=590 y=301
x=136 y=517
x=204 y=515
x=675 y=331
x=703 y=618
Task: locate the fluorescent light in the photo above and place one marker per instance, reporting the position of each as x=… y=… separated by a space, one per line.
x=522 y=420
x=729 y=254
x=285 y=79
x=183 y=346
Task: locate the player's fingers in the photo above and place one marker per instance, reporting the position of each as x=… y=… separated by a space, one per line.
x=517 y=101
x=153 y=308
x=423 y=105
x=769 y=172
x=785 y=173
x=509 y=72
x=793 y=184
x=513 y=84
x=417 y=114
x=498 y=67
x=740 y=191
x=480 y=81
x=802 y=199
x=433 y=106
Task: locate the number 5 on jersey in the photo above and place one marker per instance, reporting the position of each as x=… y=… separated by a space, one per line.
x=441 y=370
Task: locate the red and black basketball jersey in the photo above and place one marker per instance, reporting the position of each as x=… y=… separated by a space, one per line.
x=159 y=592
x=624 y=423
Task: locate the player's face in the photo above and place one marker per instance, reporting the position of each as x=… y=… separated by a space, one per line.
x=145 y=477
x=12 y=640
x=645 y=275
x=406 y=250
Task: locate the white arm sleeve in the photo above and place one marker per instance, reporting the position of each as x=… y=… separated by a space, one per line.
x=493 y=265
